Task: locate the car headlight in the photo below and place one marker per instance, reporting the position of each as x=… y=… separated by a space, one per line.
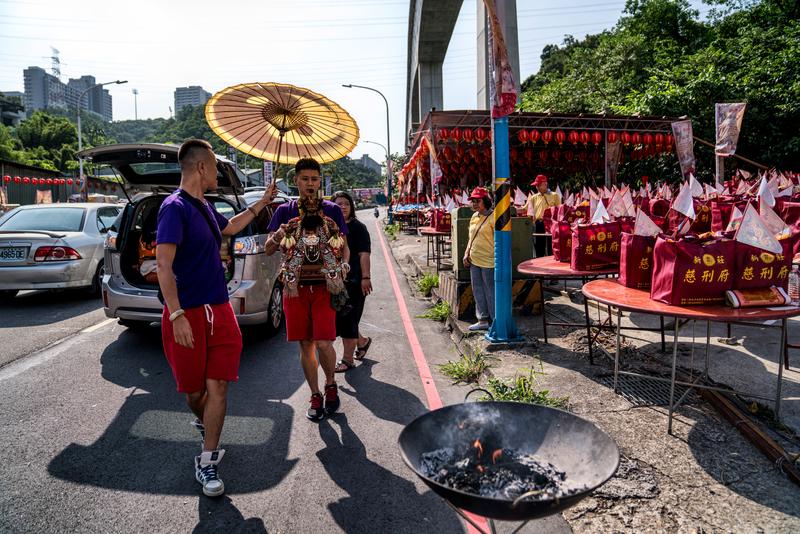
x=111 y=240
x=247 y=245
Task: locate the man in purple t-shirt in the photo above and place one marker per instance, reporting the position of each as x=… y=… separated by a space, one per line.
x=310 y=317
x=199 y=330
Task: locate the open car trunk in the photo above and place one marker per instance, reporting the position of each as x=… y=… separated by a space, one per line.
x=137 y=248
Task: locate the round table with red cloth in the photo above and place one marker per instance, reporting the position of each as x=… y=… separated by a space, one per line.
x=612 y=293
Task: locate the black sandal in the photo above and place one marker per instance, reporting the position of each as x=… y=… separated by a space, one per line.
x=343 y=366
x=362 y=351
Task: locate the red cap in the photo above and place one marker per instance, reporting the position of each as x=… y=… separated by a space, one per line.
x=479 y=192
x=541 y=179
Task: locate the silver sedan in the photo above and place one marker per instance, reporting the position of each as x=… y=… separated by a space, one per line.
x=53 y=246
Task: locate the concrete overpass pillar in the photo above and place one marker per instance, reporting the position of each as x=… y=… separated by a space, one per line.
x=507 y=12
x=429 y=88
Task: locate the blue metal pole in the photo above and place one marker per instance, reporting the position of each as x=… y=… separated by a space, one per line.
x=503 y=328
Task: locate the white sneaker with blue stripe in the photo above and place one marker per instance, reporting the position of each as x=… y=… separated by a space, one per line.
x=205 y=471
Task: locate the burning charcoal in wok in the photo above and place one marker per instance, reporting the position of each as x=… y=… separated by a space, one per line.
x=512 y=476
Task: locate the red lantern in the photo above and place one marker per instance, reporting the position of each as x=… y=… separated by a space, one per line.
x=560 y=137
x=659 y=139
x=626 y=138
x=555 y=154
x=63 y=181
x=647 y=139
x=547 y=136
x=636 y=138
x=6 y=178
x=480 y=135
x=467 y=135
x=26 y=180
x=669 y=140
x=597 y=137
x=513 y=154
x=573 y=137
x=49 y=181
x=455 y=134
x=34 y=181
x=533 y=135
x=569 y=155
x=528 y=154
x=443 y=134
x=612 y=137
x=585 y=138
x=17 y=179
x=460 y=152
x=543 y=156
x=522 y=135
x=473 y=152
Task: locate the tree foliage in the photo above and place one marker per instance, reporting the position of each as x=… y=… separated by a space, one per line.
x=660 y=59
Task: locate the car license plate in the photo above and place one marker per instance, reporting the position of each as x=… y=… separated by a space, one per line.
x=13 y=254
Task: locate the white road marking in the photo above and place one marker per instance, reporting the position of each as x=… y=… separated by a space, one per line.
x=97 y=326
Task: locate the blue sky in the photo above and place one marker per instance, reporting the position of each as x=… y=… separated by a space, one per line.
x=319 y=44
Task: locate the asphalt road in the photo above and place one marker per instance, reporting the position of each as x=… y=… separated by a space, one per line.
x=35 y=319
x=95 y=438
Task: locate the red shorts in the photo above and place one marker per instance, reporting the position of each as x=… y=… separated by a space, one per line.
x=217 y=347
x=309 y=315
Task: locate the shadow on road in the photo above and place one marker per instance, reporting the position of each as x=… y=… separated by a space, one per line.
x=376 y=495
x=386 y=401
x=221 y=515
x=150 y=444
x=39 y=308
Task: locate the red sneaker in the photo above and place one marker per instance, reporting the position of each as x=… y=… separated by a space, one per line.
x=331 y=398
x=315 y=411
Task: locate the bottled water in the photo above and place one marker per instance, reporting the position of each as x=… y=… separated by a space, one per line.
x=794 y=285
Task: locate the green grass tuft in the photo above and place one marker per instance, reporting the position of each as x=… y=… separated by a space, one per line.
x=392 y=230
x=468 y=369
x=439 y=312
x=427 y=283
x=524 y=388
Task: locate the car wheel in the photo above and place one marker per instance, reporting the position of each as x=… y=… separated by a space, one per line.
x=97 y=281
x=275 y=317
x=8 y=294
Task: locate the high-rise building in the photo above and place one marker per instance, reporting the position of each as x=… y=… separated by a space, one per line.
x=193 y=95
x=45 y=91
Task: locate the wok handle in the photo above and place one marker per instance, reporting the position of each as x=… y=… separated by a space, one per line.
x=470 y=392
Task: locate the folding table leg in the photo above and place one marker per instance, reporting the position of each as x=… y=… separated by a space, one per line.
x=672 y=380
x=616 y=353
x=708 y=345
x=663 y=342
x=544 y=314
x=588 y=328
x=784 y=323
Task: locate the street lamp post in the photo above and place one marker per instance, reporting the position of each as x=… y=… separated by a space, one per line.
x=388 y=144
x=80 y=140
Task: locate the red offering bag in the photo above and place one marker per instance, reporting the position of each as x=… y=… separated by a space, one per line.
x=702 y=222
x=441 y=220
x=570 y=214
x=789 y=212
x=757 y=269
x=562 y=241
x=595 y=246
x=626 y=224
x=548 y=216
x=659 y=208
x=636 y=260
x=691 y=272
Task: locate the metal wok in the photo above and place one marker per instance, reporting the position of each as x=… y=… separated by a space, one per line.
x=587 y=455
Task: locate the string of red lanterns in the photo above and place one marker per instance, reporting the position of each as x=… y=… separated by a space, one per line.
x=25 y=180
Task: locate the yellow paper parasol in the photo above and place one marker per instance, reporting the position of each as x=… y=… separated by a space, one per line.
x=281 y=123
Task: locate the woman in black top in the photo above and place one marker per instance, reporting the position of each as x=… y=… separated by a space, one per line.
x=358 y=286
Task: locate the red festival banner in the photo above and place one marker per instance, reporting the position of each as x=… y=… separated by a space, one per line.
x=502 y=87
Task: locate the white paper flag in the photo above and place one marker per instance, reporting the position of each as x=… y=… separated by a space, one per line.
x=765 y=193
x=754 y=232
x=519 y=197
x=450 y=205
x=695 y=186
x=736 y=220
x=644 y=225
x=600 y=214
x=710 y=191
x=784 y=192
x=684 y=203
x=558 y=192
x=720 y=189
x=742 y=188
x=772 y=220
x=464 y=198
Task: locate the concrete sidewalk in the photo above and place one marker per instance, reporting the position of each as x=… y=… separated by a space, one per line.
x=706 y=477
